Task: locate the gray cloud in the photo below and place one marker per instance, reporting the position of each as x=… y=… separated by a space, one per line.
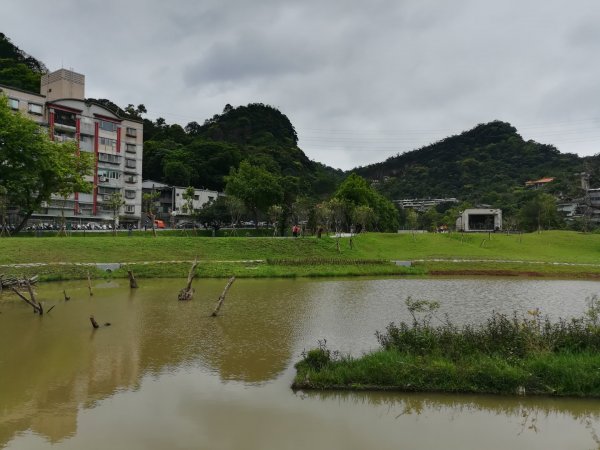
x=360 y=81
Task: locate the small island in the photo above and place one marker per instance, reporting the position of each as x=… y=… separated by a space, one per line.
x=505 y=355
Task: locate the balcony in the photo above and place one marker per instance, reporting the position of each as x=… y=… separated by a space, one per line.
x=63 y=138
x=131 y=132
x=67 y=126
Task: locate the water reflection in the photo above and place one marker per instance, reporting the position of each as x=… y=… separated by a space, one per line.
x=55 y=367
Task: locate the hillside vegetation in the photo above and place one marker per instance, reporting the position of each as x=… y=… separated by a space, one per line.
x=488 y=164
x=17 y=68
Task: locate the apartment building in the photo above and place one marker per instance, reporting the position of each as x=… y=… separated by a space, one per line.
x=116 y=143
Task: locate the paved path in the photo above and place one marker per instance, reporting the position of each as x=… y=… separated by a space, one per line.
x=101 y=265
x=255 y=261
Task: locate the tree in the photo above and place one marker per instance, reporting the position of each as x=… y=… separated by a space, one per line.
x=302 y=209
x=4 y=231
x=115 y=202
x=539 y=213
x=214 y=214
x=149 y=207
x=355 y=191
x=324 y=215
x=188 y=199
x=363 y=217
x=236 y=209
x=275 y=212
x=32 y=167
x=255 y=186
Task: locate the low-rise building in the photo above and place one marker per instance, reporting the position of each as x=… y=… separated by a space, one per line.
x=479 y=219
x=171 y=205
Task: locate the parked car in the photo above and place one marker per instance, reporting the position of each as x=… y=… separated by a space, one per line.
x=187 y=225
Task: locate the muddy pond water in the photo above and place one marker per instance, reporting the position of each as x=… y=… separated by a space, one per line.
x=165 y=375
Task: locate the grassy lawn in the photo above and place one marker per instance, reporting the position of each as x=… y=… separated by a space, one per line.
x=319 y=257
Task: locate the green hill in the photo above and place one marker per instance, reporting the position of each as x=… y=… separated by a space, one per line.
x=201 y=155
x=479 y=165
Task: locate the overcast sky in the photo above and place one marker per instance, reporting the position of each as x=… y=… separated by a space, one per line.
x=360 y=81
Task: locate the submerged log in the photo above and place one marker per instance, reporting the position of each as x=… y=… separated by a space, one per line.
x=67 y=298
x=222 y=297
x=188 y=292
x=7 y=282
x=94 y=323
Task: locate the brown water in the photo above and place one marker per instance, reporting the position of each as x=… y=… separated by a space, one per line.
x=166 y=375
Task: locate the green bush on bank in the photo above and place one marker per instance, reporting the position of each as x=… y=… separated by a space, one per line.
x=504 y=355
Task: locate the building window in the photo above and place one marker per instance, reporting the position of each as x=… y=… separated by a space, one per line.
x=107 y=190
x=131 y=132
x=196 y=197
x=107 y=175
x=13 y=103
x=105 y=157
x=129 y=194
x=130 y=163
x=108 y=126
x=131 y=179
x=130 y=148
x=130 y=209
x=65 y=118
x=108 y=142
x=34 y=108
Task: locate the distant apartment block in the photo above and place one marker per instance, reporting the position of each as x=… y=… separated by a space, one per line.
x=116 y=143
x=423 y=204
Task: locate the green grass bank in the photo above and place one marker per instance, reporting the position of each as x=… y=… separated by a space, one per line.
x=552 y=253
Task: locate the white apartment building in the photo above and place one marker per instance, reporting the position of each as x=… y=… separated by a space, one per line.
x=116 y=143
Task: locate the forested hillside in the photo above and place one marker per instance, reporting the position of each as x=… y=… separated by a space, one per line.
x=201 y=155
x=482 y=165
x=17 y=68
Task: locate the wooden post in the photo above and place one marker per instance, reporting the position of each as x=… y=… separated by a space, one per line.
x=188 y=292
x=67 y=298
x=94 y=323
x=132 y=283
x=222 y=297
x=89 y=284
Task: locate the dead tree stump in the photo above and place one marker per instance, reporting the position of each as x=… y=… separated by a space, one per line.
x=94 y=323
x=222 y=297
x=188 y=292
x=37 y=307
x=132 y=282
x=89 y=284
